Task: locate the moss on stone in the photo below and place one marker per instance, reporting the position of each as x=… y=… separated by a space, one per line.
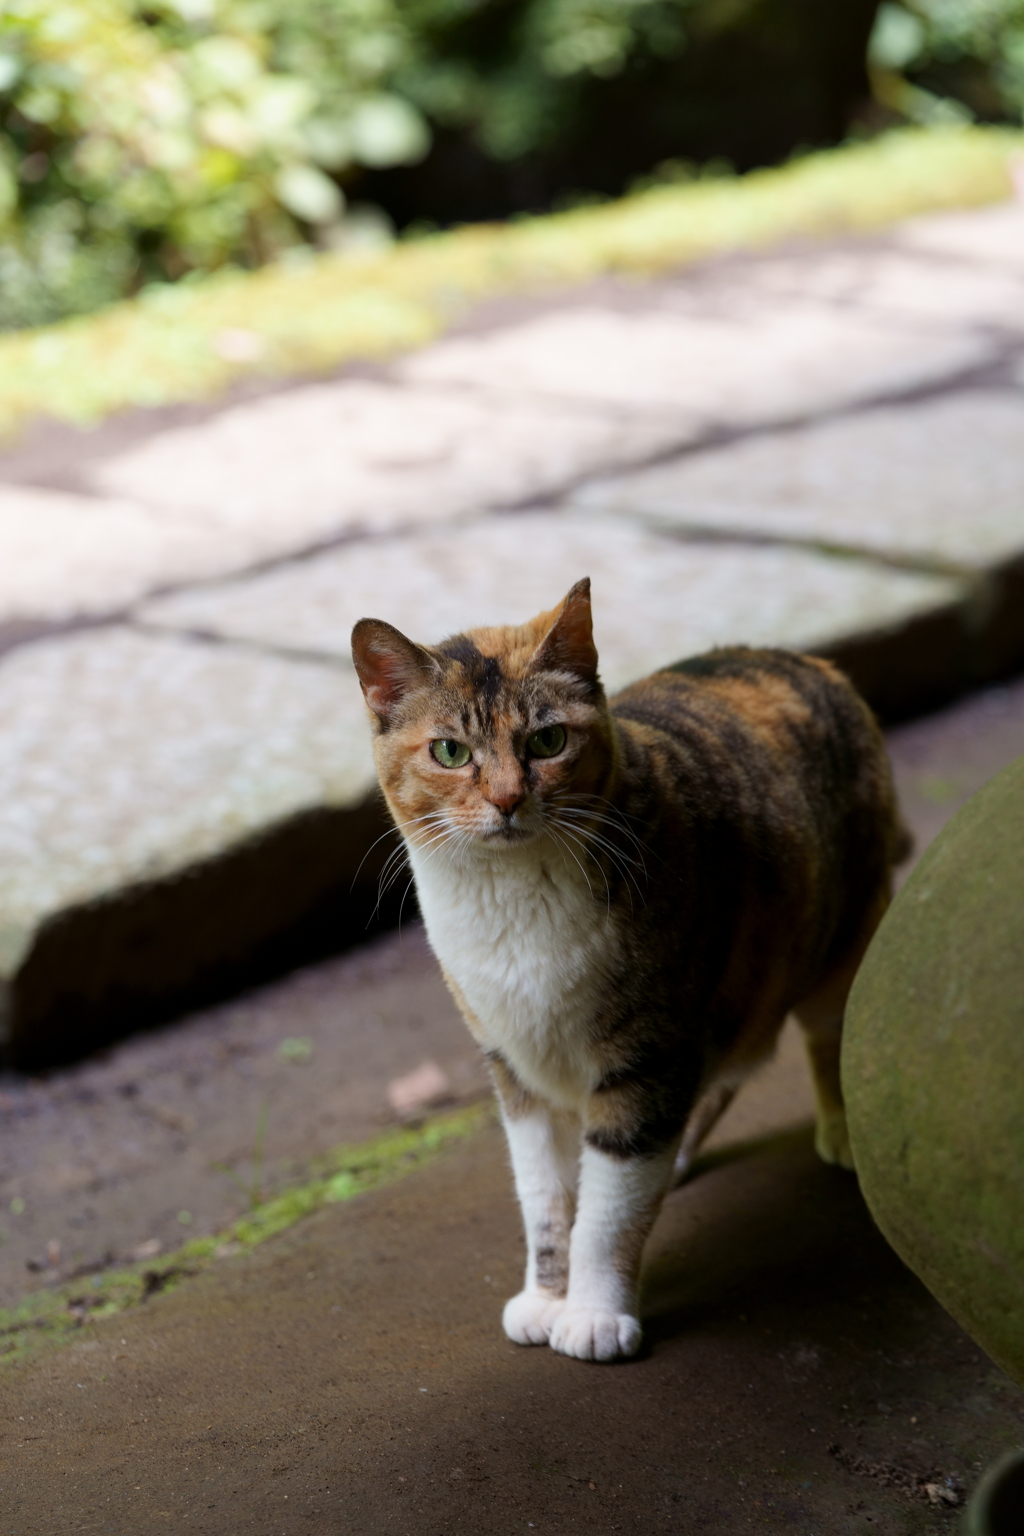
x=933 y=1070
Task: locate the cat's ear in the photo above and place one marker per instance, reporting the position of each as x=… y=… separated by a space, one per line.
x=569 y=645
x=389 y=665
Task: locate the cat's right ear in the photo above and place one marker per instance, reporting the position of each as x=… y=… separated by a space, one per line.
x=389 y=666
x=568 y=645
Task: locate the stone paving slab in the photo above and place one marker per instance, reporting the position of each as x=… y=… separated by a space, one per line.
x=992 y=235
x=65 y=556
x=518 y=414
x=773 y=362
x=655 y=599
x=322 y=461
x=878 y=282
x=131 y=761
x=936 y=483
x=955 y=270
x=208 y=737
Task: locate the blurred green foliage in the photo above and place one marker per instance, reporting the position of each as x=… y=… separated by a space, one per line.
x=145 y=141
x=512 y=71
x=947 y=61
x=540 y=104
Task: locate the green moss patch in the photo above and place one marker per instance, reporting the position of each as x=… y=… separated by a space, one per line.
x=57 y=1315
x=194 y=339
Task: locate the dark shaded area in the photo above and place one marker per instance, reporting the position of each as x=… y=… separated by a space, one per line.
x=922 y=665
x=151 y=952
x=1002 y=1509
x=351 y=1376
x=940 y=655
x=747 y=84
x=998 y=639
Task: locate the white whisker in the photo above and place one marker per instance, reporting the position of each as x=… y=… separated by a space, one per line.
x=610 y=820
x=589 y=839
x=608 y=894
x=398 y=860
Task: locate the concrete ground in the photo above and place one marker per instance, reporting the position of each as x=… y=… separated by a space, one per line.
x=351 y=1375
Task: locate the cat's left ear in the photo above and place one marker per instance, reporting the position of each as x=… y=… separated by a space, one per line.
x=569 y=645
x=389 y=665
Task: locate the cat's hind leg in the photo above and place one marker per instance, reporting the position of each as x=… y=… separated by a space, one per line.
x=823 y=1034
x=820 y=1015
x=754 y=1048
x=706 y=1113
x=544 y=1146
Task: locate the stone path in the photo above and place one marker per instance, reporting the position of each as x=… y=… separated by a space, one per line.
x=821 y=446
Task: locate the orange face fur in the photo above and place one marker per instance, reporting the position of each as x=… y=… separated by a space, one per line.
x=524 y=702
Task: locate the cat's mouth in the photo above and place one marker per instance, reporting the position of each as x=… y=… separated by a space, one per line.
x=508 y=834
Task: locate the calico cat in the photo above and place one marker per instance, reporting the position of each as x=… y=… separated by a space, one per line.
x=627 y=897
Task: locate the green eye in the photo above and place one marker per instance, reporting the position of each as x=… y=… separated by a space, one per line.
x=547 y=742
x=450 y=754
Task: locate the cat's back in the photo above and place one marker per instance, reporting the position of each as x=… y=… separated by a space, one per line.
x=752 y=730
x=761 y=777
x=751 y=702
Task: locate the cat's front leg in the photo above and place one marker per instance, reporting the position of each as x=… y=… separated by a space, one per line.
x=545 y=1147
x=619 y=1197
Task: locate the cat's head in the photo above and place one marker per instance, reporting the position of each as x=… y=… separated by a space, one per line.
x=490 y=732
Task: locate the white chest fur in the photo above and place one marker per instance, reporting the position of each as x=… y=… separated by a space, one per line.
x=531 y=947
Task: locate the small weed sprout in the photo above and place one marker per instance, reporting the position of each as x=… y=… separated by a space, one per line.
x=297 y=1049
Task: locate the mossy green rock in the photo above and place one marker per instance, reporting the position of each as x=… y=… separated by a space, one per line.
x=933 y=1070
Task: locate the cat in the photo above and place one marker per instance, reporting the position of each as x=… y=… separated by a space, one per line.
x=627 y=897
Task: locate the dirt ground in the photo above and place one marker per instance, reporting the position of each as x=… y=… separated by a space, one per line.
x=351 y=1375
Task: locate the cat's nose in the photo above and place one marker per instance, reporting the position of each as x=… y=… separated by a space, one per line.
x=508 y=801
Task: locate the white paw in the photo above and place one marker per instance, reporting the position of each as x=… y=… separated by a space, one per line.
x=529 y=1317
x=832 y=1140
x=590 y=1335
